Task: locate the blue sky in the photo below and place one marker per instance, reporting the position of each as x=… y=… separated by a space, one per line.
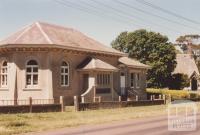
x=101 y=23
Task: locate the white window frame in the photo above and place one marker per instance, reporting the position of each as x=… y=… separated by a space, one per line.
x=65 y=82
x=137 y=80
x=31 y=73
x=4 y=74
x=103 y=79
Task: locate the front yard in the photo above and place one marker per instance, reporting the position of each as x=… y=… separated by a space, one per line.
x=22 y=123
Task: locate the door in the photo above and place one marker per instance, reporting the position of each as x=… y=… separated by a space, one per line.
x=194 y=86
x=122 y=84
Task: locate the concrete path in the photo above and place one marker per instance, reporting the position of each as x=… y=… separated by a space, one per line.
x=145 y=126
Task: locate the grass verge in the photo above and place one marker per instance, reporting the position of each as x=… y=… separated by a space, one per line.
x=35 y=122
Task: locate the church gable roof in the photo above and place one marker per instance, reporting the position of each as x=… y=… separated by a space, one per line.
x=186 y=65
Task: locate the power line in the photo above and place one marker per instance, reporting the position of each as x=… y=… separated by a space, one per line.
x=86 y=10
x=155 y=15
x=167 y=11
x=131 y=15
x=90 y=5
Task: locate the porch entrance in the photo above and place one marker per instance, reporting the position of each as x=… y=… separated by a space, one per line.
x=194 y=85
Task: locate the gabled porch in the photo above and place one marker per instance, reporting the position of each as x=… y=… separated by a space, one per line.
x=97 y=81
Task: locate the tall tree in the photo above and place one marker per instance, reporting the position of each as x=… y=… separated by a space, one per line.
x=150 y=48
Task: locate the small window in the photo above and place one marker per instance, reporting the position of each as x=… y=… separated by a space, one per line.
x=64 y=74
x=32 y=73
x=4 y=74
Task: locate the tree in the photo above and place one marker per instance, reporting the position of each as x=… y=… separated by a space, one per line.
x=179 y=81
x=183 y=41
x=150 y=48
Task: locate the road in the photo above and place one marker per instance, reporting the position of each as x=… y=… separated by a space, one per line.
x=144 y=126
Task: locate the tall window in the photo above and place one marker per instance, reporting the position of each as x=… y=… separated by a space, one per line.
x=137 y=80
x=132 y=79
x=64 y=74
x=103 y=79
x=4 y=74
x=32 y=73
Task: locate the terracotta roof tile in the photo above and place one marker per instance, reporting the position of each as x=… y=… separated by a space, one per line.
x=96 y=64
x=132 y=63
x=49 y=34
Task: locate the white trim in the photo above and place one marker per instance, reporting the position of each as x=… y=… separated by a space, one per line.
x=64 y=74
x=24 y=31
x=31 y=73
x=4 y=83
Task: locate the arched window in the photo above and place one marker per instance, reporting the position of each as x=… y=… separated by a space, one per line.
x=32 y=73
x=64 y=74
x=4 y=74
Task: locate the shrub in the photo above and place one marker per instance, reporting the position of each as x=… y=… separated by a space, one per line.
x=175 y=94
x=179 y=81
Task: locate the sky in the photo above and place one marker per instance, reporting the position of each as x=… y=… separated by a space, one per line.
x=102 y=20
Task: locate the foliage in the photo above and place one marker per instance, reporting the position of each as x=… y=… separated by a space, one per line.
x=179 y=81
x=187 y=38
x=152 y=49
x=175 y=94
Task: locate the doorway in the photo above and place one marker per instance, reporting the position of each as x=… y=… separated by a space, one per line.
x=122 y=84
x=194 y=85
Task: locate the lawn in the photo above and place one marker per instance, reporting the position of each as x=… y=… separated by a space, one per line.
x=22 y=123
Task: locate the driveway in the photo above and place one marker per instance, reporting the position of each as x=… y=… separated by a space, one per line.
x=144 y=126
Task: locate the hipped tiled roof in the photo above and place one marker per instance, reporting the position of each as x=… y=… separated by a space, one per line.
x=40 y=33
x=186 y=65
x=96 y=64
x=132 y=63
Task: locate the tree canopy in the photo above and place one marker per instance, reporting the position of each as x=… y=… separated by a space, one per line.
x=149 y=48
x=187 y=38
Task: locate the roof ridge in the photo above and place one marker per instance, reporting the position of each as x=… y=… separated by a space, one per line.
x=26 y=29
x=44 y=33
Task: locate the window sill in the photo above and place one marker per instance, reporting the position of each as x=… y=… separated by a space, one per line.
x=4 y=89
x=32 y=89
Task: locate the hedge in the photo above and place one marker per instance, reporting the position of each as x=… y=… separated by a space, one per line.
x=175 y=94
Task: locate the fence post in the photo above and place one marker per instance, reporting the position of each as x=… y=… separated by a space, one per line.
x=160 y=97
x=62 y=103
x=164 y=98
x=76 y=104
x=30 y=104
x=120 y=99
x=151 y=97
x=136 y=97
x=82 y=99
x=99 y=98
x=169 y=99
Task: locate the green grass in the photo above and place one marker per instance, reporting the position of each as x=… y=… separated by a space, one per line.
x=35 y=122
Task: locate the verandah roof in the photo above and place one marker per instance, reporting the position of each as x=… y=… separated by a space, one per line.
x=133 y=63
